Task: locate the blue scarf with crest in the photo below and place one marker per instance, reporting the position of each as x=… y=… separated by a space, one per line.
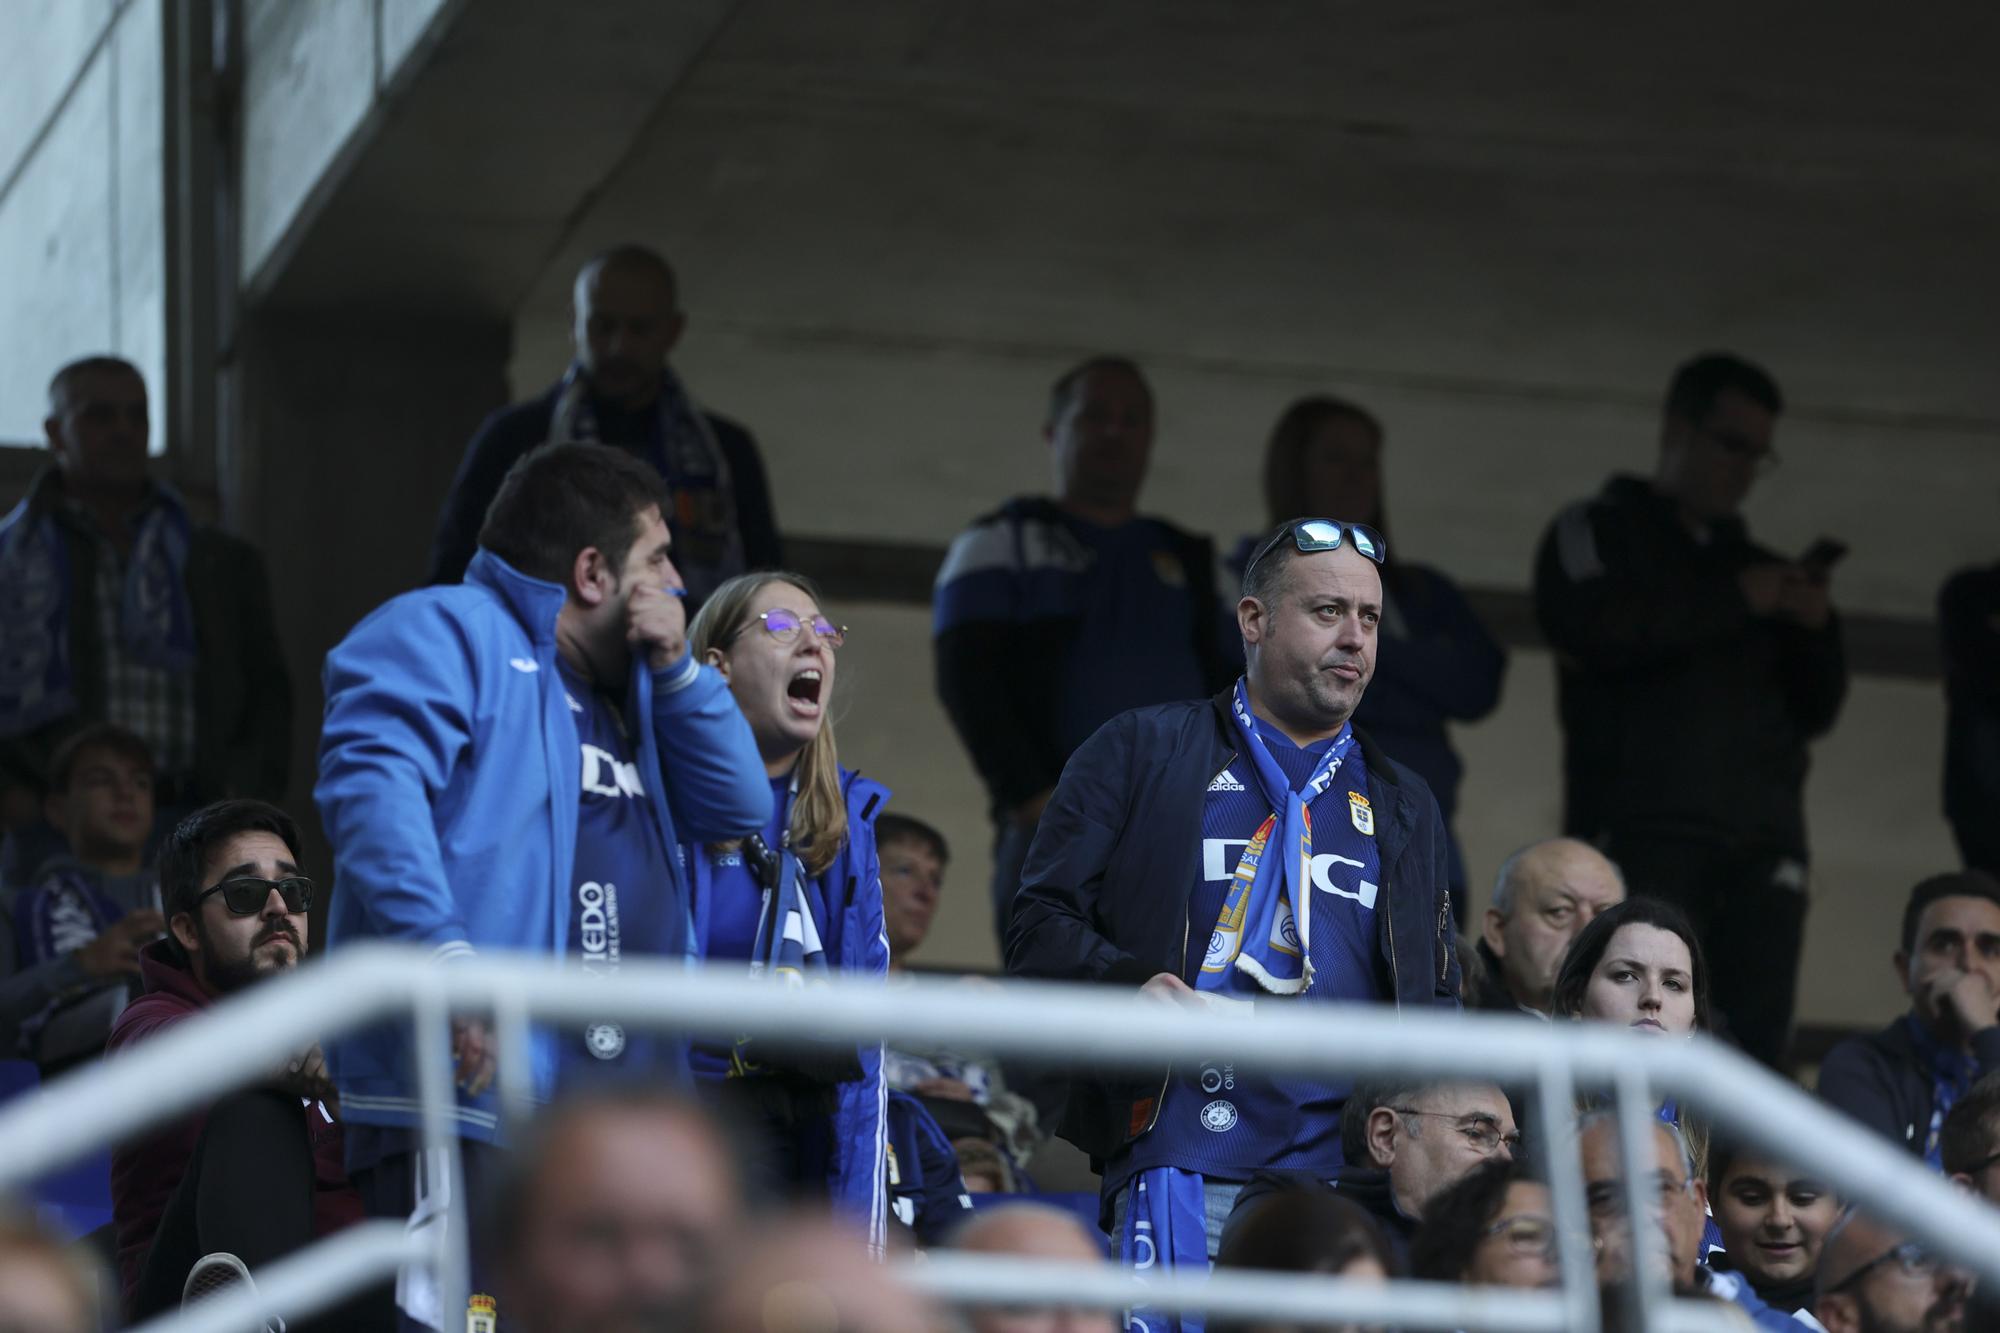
x=1265 y=928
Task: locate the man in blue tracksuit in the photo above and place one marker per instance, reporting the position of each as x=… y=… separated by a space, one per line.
x=1248 y=848
x=508 y=765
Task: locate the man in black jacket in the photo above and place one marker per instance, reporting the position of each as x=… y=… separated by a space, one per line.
x=1694 y=667
x=121 y=607
x=1244 y=850
x=622 y=392
x=1902 y=1081
x=1052 y=616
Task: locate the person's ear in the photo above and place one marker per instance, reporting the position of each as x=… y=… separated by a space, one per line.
x=1252 y=621
x=1902 y=962
x=1382 y=1136
x=676 y=325
x=182 y=928
x=590 y=578
x=1701 y=1194
x=718 y=659
x=1838 y=1312
x=55 y=809
x=1489 y=931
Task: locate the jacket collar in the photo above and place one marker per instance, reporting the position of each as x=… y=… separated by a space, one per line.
x=535 y=603
x=162 y=972
x=1384 y=789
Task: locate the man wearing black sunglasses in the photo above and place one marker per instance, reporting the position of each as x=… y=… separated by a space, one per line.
x=259 y=1173
x=1694 y=668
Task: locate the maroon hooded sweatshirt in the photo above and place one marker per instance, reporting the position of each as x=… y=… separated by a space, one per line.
x=145 y=1174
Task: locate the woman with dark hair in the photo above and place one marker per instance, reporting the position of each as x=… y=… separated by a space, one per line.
x=1639 y=964
x=1494 y=1227
x=1305 y=1231
x=798 y=900
x=1435 y=662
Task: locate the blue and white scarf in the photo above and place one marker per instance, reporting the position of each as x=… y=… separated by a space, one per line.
x=155 y=614
x=1265 y=928
x=1951 y=1073
x=787 y=947
x=708 y=548
x=1165 y=1231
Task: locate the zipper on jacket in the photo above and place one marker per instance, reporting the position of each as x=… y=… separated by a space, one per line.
x=1160 y=1100
x=1395 y=977
x=1444 y=952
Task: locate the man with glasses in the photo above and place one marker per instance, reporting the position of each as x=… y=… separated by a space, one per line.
x=509 y=763
x=215 y=1197
x=1679 y=1210
x=1405 y=1143
x=1873 y=1280
x=1971 y=1140
x=1054 y=614
x=1240 y=854
x=1694 y=667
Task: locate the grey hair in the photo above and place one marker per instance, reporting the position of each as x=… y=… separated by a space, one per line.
x=1589 y=1120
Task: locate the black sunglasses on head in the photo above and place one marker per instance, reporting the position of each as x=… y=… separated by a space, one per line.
x=1322 y=534
x=247 y=895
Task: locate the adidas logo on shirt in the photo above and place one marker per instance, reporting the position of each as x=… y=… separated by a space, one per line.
x=1225 y=781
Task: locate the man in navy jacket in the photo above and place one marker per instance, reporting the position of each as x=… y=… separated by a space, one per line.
x=509 y=764
x=1148 y=872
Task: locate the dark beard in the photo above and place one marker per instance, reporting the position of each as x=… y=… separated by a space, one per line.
x=227 y=975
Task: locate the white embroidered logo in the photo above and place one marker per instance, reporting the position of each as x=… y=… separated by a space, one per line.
x=1225 y=781
x=527 y=666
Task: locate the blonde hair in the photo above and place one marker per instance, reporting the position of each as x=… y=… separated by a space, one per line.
x=819 y=815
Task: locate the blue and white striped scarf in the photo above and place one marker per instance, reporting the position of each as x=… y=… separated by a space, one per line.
x=155 y=614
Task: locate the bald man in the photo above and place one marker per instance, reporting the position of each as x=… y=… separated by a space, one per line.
x=626 y=319
x=807 y=1274
x=618 y=1210
x=1033 y=1231
x=1872 y=1280
x=1545 y=895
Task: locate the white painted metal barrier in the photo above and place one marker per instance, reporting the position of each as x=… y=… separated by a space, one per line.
x=238 y=1042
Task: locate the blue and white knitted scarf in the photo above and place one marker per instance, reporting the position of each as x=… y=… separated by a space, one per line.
x=155 y=614
x=1265 y=928
x=708 y=549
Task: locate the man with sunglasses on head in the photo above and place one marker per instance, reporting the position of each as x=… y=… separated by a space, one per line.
x=1694 y=668
x=1240 y=853
x=213 y=1198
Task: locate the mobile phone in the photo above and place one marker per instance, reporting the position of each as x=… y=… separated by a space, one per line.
x=1823 y=554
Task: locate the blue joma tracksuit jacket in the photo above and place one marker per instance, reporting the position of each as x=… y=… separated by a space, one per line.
x=449 y=782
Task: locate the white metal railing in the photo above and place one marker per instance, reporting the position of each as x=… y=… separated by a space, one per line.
x=240 y=1040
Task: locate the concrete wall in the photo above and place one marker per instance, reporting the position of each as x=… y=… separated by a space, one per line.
x=896 y=224
x=82 y=255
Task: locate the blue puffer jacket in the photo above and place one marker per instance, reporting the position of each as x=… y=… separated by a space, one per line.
x=449 y=786
x=847 y=909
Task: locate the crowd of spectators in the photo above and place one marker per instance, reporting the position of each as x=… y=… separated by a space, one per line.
x=606 y=730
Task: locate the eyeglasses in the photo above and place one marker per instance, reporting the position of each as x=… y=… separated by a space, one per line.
x=1979 y=1165
x=1481 y=1133
x=1322 y=534
x=784 y=626
x=1607 y=1197
x=1531 y=1234
x=1760 y=456
x=1909 y=1259
x=246 y=896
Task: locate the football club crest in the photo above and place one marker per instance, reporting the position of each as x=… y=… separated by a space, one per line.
x=1359 y=811
x=1218 y=1117
x=482 y=1313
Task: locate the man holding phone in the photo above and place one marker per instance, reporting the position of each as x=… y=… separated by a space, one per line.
x=1695 y=666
